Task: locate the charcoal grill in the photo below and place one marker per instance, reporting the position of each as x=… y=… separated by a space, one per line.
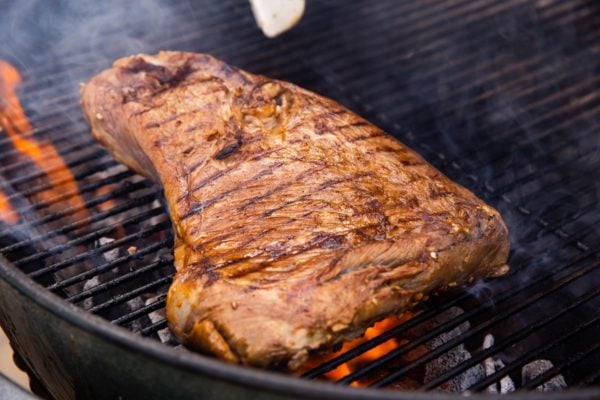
x=500 y=96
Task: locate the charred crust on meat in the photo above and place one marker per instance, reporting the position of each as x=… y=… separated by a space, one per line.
x=152 y=125
x=200 y=269
x=320 y=128
x=207 y=203
x=278 y=188
x=366 y=137
x=164 y=76
x=227 y=150
x=139 y=64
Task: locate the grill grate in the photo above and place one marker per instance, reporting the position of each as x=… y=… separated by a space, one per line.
x=501 y=96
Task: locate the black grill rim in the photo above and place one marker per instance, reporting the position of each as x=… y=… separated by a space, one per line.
x=245 y=376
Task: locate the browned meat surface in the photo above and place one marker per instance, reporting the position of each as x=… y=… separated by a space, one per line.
x=298 y=224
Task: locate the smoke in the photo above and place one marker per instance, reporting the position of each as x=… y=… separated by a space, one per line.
x=76 y=33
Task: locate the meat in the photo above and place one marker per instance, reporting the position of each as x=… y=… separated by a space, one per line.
x=298 y=224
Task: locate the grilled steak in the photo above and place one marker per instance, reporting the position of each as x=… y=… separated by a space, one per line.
x=298 y=224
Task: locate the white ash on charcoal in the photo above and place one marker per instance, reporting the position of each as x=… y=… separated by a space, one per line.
x=109 y=255
x=492 y=365
x=133 y=305
x=537 y=368
x=89 y=284
x=164 y=335
x=460 y=354
x=452 y=358
x=529 y=372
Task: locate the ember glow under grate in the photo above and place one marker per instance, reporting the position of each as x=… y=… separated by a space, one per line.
x=500 y=96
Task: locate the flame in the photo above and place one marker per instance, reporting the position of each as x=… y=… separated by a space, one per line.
x=43 y=154
x=364 y=358
x=7 y=213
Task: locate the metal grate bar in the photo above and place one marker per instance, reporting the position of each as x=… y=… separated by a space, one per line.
x=142 y=233
x=55 y=168
x=103 y=287
x=91 y=237
x=430 y=314
x=8 y=168
x=187 y=28
x=520 y=96
x=535 y=175
x=552 y=147
x=104 y=268
x=591 y=379
x=45 y=133
x=499 y=317
x=384 y=337
x=155 y=327
x=370 y=86
x=524 y=359
x=83 y=56
x=553 y=116
x=77 y=177
x=547 y=227
x=67 y=195
x=456 y=68
x=86 y=222
x=480 y=355
x=557 y=369
x=142 y=311
x=442 y=24
x=121 y=190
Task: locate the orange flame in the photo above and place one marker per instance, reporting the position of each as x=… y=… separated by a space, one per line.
x=43 y=154
x=366 y=357
x=6 y=211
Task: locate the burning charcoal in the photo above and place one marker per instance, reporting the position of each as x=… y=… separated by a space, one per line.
x=506 y=383
x=538 y=367
x=111 y=254
x=133 y=305
x=492 y=365
x=453 y=357
x=90 y=283
x=157 y=316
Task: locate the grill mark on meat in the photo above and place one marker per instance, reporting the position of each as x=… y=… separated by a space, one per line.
x=251 y=238
x=354 y=125
x=163 y=77
x=206 y=204
x=319 y=240
x=279 y=188
x=138 y=64
x=390 y=149
x=366 y=137
x=151 y=125
x=231 y=147
x=221 y=172
x=412 y=162
x=324 y=240
x=155 y=124
x=227 y=150
x=327 y=184
x=322 y=128
x=438 y=194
